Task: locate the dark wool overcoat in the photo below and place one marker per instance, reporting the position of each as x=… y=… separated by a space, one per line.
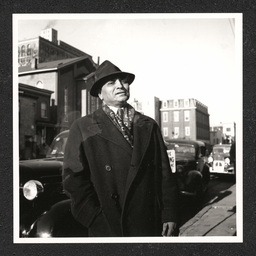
x=117 y=190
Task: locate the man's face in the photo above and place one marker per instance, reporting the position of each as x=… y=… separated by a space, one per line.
x=115 y=92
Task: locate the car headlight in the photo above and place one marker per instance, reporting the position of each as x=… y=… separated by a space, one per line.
x=32 y=188
x=180 y=170
x=210 y=159
x=227 y=161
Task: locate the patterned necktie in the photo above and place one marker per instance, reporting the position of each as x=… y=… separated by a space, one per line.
x=120 y=114
x=123 y=120
x=124 y=129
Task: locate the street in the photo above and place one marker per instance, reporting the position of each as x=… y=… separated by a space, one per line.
x=193 y=213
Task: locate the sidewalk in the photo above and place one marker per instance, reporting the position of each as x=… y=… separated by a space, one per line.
x=217 y=218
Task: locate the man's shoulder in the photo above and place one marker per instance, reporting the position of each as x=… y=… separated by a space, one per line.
x=140 y=116
x=88 y=120
x=87 y=125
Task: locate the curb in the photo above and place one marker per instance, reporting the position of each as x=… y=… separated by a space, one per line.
x=217 y=218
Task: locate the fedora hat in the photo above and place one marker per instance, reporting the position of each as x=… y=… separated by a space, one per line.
x=104 y=73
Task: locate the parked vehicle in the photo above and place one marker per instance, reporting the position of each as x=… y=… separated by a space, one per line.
x=45 y=210
x=189 y=160
x=41 y=192
x=221 y=160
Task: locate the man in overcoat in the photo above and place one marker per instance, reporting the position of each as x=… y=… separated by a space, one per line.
x=116 y=169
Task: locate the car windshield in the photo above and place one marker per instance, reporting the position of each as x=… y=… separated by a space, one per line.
x=57 y=147
x=183 y=149
x=221 y=150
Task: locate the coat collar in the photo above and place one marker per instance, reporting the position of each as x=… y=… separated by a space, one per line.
x=142 y=128
x=107 y=130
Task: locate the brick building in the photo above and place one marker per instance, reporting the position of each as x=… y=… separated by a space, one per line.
x=46 y=48
x=149 y=107
x=69 y=82
x=185 y=118
x=34 y=120
x=223 y=133
x=66 y=73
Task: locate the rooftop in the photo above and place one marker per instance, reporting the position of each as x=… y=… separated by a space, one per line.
x=51 y=65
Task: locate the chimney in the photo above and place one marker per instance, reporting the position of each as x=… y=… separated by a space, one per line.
x=34 y=63
x=50 y=34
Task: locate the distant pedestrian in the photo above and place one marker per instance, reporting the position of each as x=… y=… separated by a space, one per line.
x=232 y=153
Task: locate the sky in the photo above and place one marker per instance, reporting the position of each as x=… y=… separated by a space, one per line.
x=172 y=56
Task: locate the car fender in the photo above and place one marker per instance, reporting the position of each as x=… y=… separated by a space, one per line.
x=193 y=176
x=58 y=222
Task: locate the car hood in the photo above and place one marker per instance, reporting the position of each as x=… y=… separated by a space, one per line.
x=38 y=168
x=220 y=157
x=182 y=157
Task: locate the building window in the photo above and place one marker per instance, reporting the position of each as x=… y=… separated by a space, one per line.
x=83 y=102
x=186 y=115
x=176 y=132
x=186 y=103
x=28 y=49
x=175 y=103
x=187 y=131
x=165 y=104
x=228 y=129
x=165 y=131
x=66 y=105
x=43 y=110
x=165 y=117
x=176 y=116
x=22 y=50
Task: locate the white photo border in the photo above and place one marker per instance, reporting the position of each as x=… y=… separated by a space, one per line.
x=239 y=132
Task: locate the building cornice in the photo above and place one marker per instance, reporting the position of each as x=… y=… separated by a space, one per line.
x=37 y=71
x=59 y=64
x=28 y=88
x=169 y=109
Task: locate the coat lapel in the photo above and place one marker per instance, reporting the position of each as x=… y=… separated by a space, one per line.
x=142 y=130
x=107 y=130
x=142 y=134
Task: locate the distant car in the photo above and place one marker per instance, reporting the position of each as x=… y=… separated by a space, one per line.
x=41 y=192
x=189 y=160
x=221 y=160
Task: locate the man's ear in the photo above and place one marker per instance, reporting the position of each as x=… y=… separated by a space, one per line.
x=100 y=96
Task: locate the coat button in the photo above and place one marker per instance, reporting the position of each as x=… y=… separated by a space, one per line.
x=114 y=196
x=108 y=168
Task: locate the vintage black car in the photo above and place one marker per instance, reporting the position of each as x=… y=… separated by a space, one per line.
x=189 y=160
x=45 y=209
x=41 y=192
